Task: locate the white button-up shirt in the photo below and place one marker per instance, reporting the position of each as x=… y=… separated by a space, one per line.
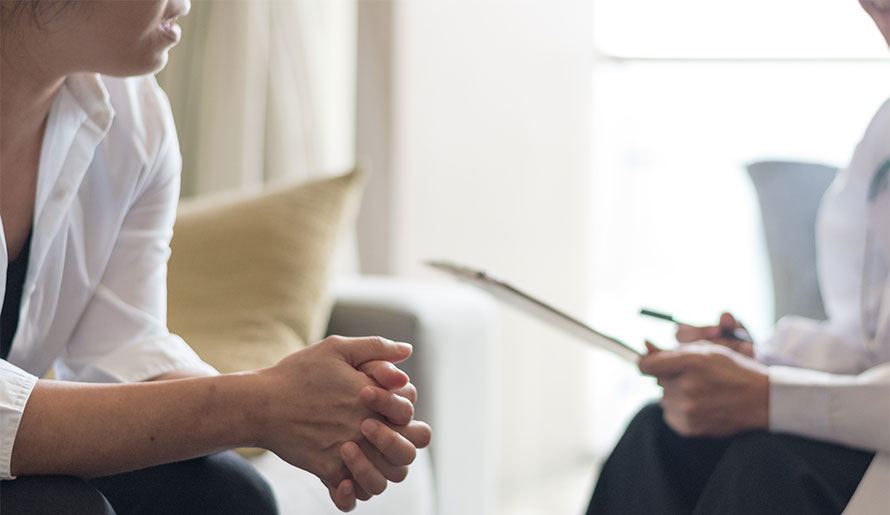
x=94 y=301
x=831 y=380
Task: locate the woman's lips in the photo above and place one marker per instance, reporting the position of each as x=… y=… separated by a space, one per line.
x=171 y=29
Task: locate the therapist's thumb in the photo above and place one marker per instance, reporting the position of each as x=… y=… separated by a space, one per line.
x=727 y=321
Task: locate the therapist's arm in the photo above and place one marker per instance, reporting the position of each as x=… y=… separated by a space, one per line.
x=852 y=410
x=711 y=391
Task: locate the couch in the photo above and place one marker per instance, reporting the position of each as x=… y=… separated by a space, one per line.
x=451 y=327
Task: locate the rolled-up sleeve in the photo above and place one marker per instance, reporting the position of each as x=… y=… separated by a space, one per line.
x=852 y=410
x=15 y=388
x=122 y=335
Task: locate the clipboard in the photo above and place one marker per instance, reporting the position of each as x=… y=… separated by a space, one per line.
x=538 y=309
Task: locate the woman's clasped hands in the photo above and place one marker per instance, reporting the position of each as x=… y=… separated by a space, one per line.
x=342 y=410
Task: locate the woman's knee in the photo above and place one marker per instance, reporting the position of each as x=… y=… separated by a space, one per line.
x=56 y=495
x=223 y=483
x=231 y=482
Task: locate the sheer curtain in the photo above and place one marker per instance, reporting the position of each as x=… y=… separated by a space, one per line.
x=263 y=90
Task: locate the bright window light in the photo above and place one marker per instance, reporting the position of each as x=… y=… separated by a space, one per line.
x=692 y=92
x=807 y=29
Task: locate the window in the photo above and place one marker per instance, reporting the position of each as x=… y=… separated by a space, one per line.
x=686 y=93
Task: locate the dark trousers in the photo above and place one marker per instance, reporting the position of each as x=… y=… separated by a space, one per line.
x=223 y=483
x=654 y=470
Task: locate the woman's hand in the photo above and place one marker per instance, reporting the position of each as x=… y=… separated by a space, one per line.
x=315 y=400
x=383 y=455
x=715 y=334
x=709 y=390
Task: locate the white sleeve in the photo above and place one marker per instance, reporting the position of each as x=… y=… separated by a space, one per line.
x=122 y=335
x=844 y=409
x=818 y=345
x=837 y=345
x=16 y=386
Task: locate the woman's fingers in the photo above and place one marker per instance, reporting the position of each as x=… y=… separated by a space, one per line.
x=397 y=449
x=343 y=495
x=397 y=444
x=364 y=473
x=393 y=473
x=386 y=374
x=417 y=432
x=361 y=494
x=408 y=392
x=395 y=408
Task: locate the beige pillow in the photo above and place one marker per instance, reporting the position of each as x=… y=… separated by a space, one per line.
x=248 y=277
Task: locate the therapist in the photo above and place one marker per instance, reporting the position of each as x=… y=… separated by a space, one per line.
x=795 y=425
x=89 y=181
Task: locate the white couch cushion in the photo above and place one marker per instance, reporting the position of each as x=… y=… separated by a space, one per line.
x=301 y=493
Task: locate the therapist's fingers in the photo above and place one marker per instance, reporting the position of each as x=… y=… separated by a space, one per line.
x=728 y=322
x=690 y=333
x=668 y=363
x=652 y=348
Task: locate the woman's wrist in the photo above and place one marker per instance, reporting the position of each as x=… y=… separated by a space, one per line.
x=242 y=402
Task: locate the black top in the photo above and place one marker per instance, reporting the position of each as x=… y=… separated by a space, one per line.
x=12 y=300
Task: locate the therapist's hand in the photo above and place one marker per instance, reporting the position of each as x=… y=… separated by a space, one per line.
x=709 y=390
x=714 y=334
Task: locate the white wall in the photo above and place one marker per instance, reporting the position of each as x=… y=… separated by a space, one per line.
x=489 y=145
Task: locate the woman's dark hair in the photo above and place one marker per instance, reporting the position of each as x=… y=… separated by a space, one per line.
x=37 y=12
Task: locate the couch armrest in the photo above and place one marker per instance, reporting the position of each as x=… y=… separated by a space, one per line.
x=452 y=329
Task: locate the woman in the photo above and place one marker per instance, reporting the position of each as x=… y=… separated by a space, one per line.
x=800 y=423
x=89 y=179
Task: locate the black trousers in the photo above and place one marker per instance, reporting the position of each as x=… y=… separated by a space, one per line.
x=654 y=470
x=223 y=483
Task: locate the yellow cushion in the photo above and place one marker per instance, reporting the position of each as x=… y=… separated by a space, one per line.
x=248 y=277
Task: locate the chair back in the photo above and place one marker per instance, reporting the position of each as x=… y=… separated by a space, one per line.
x=789 y=194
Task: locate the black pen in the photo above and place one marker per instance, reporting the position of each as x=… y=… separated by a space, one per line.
x=739 y=333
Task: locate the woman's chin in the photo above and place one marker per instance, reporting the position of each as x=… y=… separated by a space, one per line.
x=148 y=64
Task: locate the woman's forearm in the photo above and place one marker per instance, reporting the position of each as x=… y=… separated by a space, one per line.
x=99 y=429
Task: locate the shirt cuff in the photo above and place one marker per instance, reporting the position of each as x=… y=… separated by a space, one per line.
x=841 y=409
x=16 y=386
x=795 y=405
x=141 y=361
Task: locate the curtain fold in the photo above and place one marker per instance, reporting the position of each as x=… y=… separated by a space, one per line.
x=263 y=90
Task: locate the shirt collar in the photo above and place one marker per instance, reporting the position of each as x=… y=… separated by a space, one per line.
x=880 y=182
x=92 y=97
